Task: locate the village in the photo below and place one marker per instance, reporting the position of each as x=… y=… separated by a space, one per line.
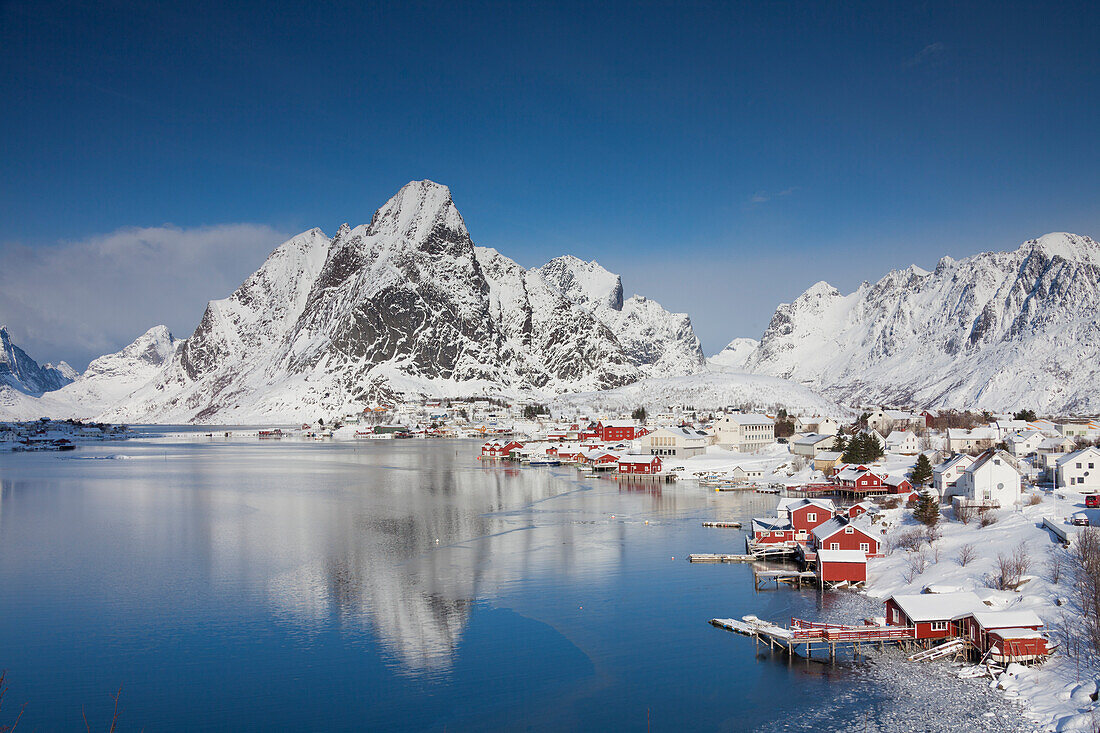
x=974 y=536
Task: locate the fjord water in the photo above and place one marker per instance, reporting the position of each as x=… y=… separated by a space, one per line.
x=246 y=585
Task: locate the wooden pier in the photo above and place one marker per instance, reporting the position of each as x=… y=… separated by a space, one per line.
x=720 y=557
x=809 y=634
x=724 y=525
x=762 y=578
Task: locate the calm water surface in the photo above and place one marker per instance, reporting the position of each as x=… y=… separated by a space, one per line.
x=240 y=585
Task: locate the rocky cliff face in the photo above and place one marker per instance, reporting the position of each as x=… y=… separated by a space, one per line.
x=998 y=330
x=23 y=374
x=404 y=305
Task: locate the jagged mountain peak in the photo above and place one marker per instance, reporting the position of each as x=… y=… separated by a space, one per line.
x=419 y=212
x=994 y=330
x=588 y=284
x=22 y=373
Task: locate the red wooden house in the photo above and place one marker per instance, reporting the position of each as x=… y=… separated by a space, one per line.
x=933 y=615
x=640 y=464
x=808 y=515
x=898 y=485
x=840 y=533
x=859 y=509
x=490 y=449
x=1015 y=634
x=614 y=432
x=772 y=531
x=835 y=566
x=862 y=479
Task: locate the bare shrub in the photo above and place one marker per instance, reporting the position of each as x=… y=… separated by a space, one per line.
x=967 y=554
x=1085 y=564
x=1011 y=568
x=1034 y=499
x=964 y=513
x=3 y=688
x=932 y=533
x=915 y=564
x=1056 y=563
x=891 y=503
x=910 y=540
x=988 y=517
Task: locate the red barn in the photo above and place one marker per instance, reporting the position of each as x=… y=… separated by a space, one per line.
x=933 y=615
x=614 y=432
x=843 y=534
x=834 y=566
x=640 y=464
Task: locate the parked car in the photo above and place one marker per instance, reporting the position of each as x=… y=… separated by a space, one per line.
x=1092 y=501
x=1080 y=519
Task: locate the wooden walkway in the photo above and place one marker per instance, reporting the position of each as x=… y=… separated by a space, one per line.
x=808 y=634
x=719 y=557
x=723 y=525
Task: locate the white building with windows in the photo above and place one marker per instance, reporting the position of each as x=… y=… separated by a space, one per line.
x=817 y=424
x=1080 y=470
x=993 y=479
x=946 y=475
x=1024 y=443
x=744 y=432
x=978 y=439
x=903 y=442
x=675 y=442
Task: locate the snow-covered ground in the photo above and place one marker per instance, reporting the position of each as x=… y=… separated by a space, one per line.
x=1057 y=695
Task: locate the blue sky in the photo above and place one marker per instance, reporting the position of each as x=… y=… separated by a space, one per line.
x=721 y=156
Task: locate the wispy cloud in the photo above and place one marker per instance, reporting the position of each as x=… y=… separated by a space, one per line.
x=761 y=197
x=933 y=54
x=76 y=300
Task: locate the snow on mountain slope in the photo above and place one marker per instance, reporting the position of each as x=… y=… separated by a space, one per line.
x=21 y=373
x=660 y=342
x=405 y=305
x=997 y=330
x=734 y=356
x=704 y=391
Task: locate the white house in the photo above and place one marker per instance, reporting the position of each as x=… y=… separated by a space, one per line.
x=743 y=432
x=993 y=479
x=1080 y=470
x=1080 y=429
x=978 y=439
x=675 y=442
x=1050 y=450
x=945 y=475
x=816 y=424
x=1024 y=443
x=887 y=420
x=811 y=445
x=1005 y=428
x=903 y=442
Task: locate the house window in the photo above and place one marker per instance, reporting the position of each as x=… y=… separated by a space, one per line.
x=865 y=546
x=897 y=616
x=834 y=545
x=939 y=626
x=811 y=517
x=849 y=530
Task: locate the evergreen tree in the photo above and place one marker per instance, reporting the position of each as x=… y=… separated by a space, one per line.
x=922 y=472
x=840 y=443
x=874 y=449
x=927 y=510
x=639 y=414
x=856 y=450
x=1028 y=415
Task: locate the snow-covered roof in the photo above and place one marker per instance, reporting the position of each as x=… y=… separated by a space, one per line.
x=769 y=524
x=1077 y=454
x=1018 y=633
x=812 y=439
x=1006 y=619
x=829 y=455
x=790 y=503
x=962 y=460
x=937 y=606
x=989 y=455
x=636 y=458
x=748 y=419
x=842 y=556
x=831 y=527
x=620 y=424
x=681 y=432
x=894 y=480
x=975 y=434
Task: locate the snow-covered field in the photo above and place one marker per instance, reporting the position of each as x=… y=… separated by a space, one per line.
x=1056 y=695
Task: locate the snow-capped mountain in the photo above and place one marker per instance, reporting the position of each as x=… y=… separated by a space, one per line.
x=403 y=305
x=733 y=357
x=661 y=343
x=20 y=372
x=997 y=330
